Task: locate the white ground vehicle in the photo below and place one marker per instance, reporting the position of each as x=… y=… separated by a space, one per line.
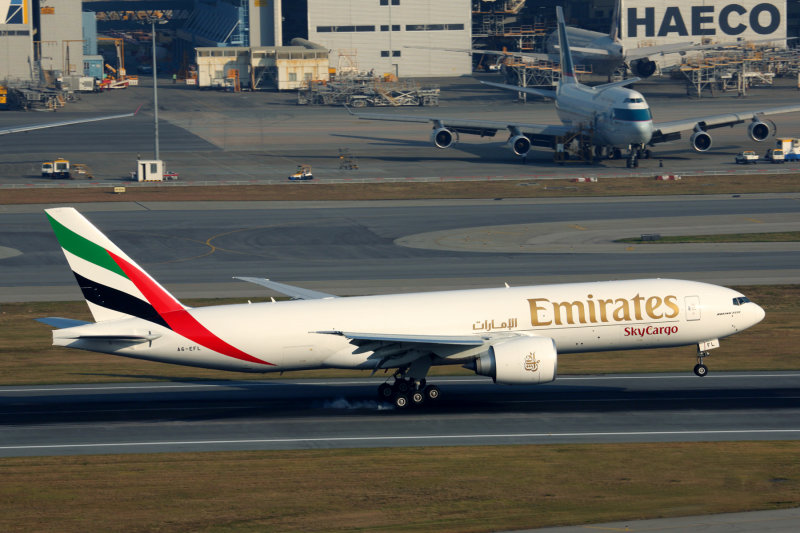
x=775 y=155
x=748 y=156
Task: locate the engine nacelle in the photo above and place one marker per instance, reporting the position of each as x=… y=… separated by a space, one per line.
x=701 y=141
x=520 y=144
x=520 y=361
x=644 y=68
x=758 y=131
x=443 y=138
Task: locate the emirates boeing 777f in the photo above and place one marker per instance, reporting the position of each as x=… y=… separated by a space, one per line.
x=596 y=122
x=513 y=335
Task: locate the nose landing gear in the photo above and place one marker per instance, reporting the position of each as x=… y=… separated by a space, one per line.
x=700 y=369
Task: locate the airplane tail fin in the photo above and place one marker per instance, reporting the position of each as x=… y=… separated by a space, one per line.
x=567 y=67
x=615 y=19
x=113 y=284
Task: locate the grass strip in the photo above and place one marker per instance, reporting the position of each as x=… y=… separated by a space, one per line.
x=447 y=489
x=318 y=191
x=778 y=236
x=27 y=356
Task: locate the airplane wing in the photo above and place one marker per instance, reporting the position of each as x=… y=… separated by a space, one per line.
x=632 y=54
x=296 y=293
x=31 y=127
x=394 y=350
x=539 y=134
x=663 y=130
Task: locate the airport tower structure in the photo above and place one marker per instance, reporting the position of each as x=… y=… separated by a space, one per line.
x=400 y=37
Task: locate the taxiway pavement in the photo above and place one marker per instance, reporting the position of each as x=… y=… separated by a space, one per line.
x=350 y=248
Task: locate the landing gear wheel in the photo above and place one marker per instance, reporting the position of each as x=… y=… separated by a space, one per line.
x=432 y=392
x=402 y=386
x=700 y=370
x=417 y=398
x=385 y=391
x=400 y=401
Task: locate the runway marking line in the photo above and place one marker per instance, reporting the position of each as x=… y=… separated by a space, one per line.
x=403 y=438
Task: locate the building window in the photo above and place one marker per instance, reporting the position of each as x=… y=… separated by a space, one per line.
x=384 y=53
x=292 y=76
x=384 y=2
x=324 y=29
x=433 y=27
x=365 y=28
x=395 y=27
x=395 y=53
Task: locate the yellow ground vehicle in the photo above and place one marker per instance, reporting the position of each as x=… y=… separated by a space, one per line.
x=58 y=168
x=303 y=173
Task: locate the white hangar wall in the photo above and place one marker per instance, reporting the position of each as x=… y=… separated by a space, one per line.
x=380 y=31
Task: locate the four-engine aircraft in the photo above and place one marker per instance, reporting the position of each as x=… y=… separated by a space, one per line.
x=513 y=335
x=605 y=119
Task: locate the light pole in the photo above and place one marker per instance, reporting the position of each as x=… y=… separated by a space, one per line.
x=155 y=83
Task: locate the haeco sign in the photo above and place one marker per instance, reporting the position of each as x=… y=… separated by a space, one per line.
x=723 y=21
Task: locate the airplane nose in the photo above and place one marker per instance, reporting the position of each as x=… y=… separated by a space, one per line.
x=758 y=314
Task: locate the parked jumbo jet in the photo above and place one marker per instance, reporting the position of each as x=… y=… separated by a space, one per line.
x=610 y=118
x=512 y=335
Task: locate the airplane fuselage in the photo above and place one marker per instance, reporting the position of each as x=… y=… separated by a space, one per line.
x=618 y=116
x=579 y=317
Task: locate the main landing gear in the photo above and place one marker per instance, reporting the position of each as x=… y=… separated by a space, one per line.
x=407 y=391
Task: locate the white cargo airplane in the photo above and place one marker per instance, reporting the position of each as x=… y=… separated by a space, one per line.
x=513 y=335
x=607 y=118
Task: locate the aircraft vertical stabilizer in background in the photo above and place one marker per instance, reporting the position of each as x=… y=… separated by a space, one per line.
x=601 y=121
x=511 y=334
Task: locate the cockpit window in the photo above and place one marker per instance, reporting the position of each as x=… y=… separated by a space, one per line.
x=634 y=100
x=741 y=300
x=632 y=115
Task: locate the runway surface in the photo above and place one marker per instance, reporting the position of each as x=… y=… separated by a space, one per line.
x=374 y=247
x=339 y=413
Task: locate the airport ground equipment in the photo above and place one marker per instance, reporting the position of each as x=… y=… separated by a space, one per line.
x=746 y=157
x=790 y=147
x=775 y=155
x=303 y=173
x=347 y=161
x=368 y=91
x=47 y=169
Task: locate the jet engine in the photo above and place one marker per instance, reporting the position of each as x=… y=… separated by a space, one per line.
x=644 y=68
x=758 y=131
x=520 y=144
x=443 y=138
x=701 y=141
x=519 y=361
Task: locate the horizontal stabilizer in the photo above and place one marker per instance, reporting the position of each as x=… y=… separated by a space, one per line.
x=620 y=83
x=296 y=293
x=58 y=322
x=110 y=337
